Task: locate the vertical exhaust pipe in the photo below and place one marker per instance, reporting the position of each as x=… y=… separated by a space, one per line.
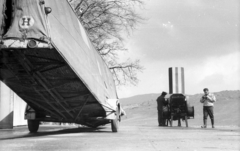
x=176 y=80
x=183 y=80
x=170 y=80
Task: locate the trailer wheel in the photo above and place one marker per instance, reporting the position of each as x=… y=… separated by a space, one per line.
x=115 y=122
x=33 y=126
x=114 y=125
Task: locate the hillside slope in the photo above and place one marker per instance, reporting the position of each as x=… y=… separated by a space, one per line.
x=141 y=109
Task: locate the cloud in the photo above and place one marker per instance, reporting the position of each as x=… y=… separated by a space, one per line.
x=201 y=36
x=214 y=80
x=216 y=73
x=188 y=29
x=167 y=25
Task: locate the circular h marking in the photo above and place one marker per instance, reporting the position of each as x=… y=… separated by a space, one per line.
x=26 y=22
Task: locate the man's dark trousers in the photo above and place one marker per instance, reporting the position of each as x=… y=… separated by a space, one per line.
x=208 y=110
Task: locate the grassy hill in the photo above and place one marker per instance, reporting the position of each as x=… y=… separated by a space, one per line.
x=142 y=109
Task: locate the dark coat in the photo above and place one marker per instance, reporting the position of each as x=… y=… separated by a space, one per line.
x=160 y=102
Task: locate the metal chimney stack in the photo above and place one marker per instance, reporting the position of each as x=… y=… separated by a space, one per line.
x=176 y=80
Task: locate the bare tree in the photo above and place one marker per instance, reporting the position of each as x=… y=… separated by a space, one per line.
x=106 y=21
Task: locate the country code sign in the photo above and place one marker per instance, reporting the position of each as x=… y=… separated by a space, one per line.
x=26 y=22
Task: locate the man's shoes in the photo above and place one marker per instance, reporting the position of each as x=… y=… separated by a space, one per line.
x=213 y=126
x=204 y=126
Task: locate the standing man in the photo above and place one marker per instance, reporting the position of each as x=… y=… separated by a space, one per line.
x=160 y=103
x=207 y=99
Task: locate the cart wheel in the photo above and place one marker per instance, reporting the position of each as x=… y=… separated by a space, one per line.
x=186 y=120
x=179 y=122
x=171 y=120
x=33 y=126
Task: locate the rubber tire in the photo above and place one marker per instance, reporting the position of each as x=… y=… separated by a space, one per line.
x=115 y=122
x=114 y=125
x=33 y=126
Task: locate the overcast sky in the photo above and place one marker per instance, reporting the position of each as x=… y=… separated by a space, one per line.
x=202 y=36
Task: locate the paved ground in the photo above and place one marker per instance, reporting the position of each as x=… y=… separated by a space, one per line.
x=130 y=138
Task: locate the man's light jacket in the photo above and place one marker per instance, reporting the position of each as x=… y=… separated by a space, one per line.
x=209 y=100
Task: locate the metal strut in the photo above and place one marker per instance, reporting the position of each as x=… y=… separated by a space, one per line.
x=34 y=102
x=28 y=67
x=45 y=99
x=82 y=108
x=30 y=87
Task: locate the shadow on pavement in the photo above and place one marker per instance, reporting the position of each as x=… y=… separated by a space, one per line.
x=45 y=131
x=220 y=128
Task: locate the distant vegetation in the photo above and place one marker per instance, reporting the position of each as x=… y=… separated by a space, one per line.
x=141 y=109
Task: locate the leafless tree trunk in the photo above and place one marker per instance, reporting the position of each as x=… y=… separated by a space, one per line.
x=106 y=21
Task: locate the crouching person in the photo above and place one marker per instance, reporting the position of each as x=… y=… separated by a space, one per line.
x=160 y=103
